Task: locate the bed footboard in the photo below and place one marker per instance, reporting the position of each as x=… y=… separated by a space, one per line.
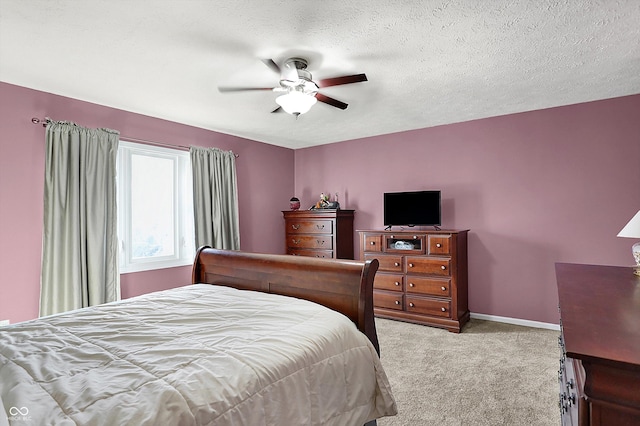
x=345 y=286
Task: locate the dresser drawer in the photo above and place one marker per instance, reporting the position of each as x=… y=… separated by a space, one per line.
x=372 y=243
x=573 y=405
x=440 y=244
x=387 y=263
x=428 y=265
x=323 y=254
x=309 y=242
x=309 y=226
x=433 y=307
x=388 y=300
x=388 y=282
x=432 y=286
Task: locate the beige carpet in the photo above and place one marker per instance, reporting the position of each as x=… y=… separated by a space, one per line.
x=490 y=374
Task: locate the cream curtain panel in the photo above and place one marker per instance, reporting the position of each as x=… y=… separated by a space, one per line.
x=80 y=244
x=215 y=198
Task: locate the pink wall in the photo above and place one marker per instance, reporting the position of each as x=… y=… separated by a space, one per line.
x=265 y=184
x=535 y=188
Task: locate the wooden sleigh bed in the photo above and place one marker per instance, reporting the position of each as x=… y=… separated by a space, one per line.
x=250 y=342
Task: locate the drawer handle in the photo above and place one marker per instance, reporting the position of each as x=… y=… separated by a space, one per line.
x=438 y=245
x=396 y=264
x=397 y=302
x=443 y=309
x=443 y=288
x=411 y=304
x=411 y=265
x=443 y=267
x=415 y=237
x=373 y=243
x=296 y=242
x=412 y=285
x=320 y=226
x=296 y=227
x=397 y=283
x=321 y=242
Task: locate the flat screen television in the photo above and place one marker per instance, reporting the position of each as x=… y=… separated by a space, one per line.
x=415 y=208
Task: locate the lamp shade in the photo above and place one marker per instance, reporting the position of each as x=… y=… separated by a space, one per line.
x=296 y=102
x=631 y=229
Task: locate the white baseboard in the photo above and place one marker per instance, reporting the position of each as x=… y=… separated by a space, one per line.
x=517 y=321
x=4 y=322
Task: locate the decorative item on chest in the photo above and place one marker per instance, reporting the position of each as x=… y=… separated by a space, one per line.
x=294 y=204
x=325 y=203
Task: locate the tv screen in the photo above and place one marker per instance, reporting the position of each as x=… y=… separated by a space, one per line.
x=412 y=208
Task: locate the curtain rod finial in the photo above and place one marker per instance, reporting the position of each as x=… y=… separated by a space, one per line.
x=36 y=120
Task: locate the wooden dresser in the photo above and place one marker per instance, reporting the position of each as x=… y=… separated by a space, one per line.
x=600 y=340
x=422 y=276
x=326 y=233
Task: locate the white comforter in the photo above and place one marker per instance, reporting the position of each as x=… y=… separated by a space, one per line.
x=199 y=354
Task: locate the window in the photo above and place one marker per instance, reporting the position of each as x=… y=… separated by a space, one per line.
x=155 y=207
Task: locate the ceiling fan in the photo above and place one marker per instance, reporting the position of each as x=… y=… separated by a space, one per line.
x=300 y=92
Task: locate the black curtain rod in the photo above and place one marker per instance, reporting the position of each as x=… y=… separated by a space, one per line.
x=47 y=120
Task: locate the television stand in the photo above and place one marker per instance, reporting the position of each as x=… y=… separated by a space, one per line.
x=422 y=277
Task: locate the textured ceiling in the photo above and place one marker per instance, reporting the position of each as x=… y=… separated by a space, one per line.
x=429 y=62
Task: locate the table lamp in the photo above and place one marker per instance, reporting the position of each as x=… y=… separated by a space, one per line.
x=632 y=230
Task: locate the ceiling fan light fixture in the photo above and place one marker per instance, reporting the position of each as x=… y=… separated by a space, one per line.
x=300 y=91
x=296 y=103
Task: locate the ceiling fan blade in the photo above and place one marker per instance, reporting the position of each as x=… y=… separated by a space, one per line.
x=272 y=65
x=279 y=109
x=333 y=102
x=241 y=89
x=336 y=81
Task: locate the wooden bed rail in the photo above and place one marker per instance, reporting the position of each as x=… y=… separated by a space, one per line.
x=345 y=286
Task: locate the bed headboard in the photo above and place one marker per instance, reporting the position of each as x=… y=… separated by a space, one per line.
x=345 y=286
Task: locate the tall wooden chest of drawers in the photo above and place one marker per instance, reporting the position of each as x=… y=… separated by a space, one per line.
x=326 y=233
x=422 y=276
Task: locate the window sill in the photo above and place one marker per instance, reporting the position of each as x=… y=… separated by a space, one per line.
x=151 y=266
